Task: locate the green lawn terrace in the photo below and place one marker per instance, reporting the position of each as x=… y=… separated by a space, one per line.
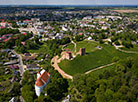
x=94 y=58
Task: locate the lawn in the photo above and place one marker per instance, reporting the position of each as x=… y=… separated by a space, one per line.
x=93 y=59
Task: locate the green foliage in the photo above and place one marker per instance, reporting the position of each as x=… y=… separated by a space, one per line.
x=8 y=31
x=57 y=87
x=127 y=44
x=117 y=42
x=79 y=37
x=119 y=85
x=115 y=59
x=28 y=92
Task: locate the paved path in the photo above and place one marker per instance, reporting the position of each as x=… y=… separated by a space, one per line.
x=55 y=65
x=20 y=62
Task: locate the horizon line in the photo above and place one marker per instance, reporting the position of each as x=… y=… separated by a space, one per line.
x=68 y=5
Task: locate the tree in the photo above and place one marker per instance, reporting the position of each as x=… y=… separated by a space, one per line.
x=115 y=59
x=79 y=37
x=22 y=49
x=117 y=42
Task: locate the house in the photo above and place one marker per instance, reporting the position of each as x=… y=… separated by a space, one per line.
x=42 y=81
x=5 y=24
x=104 y=27
x=27 y=54
x=21 y=23
x=13 y=99
x=32 y=66
x=23 y=43
x=11 y=62
x=14 y=67
x=64 y=29
x=67 y=55
x=90 y=38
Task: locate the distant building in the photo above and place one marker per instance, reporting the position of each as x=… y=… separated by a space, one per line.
x=82 y=51
x=90 y=38
x=64 y=29
x=32 y=67
x=14 y=67
x=5 y=24
x=11 y=62
x=68 y=55
x=13 y=99
x=27 y=54
x=42 y=81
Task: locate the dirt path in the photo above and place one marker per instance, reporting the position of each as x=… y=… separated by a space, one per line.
x=55 y=65
x=75 y=45
x=65 y=75
x=99 y=68
x=118 y=48
x=128 y=51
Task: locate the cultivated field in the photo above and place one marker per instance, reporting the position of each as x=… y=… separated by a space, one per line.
x=93 y=59
x=125 y=11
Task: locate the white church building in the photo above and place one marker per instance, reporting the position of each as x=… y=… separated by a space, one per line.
x=42 y=81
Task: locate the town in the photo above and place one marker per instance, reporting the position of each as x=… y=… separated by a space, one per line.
x=68 y=54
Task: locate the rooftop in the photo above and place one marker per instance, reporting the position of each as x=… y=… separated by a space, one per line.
x=43 y=78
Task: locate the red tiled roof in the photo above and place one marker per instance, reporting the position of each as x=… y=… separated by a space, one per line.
x=6 y=40
x=23 y=43
x=14 y=66
x=43 y=78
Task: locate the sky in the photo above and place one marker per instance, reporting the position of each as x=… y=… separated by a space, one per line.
x=68 y=2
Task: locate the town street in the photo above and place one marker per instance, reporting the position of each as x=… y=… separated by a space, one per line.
x=20 y=62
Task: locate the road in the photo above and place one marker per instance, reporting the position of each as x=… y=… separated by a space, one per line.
x=20 y=62
x=55 y=65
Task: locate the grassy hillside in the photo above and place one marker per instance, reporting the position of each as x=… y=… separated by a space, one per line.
x=92 y=60
x=89 y=45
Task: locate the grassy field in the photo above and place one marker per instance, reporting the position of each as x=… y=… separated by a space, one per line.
x=135 y=48
x=90 y=45
x=41 y=49
x=93 y=59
